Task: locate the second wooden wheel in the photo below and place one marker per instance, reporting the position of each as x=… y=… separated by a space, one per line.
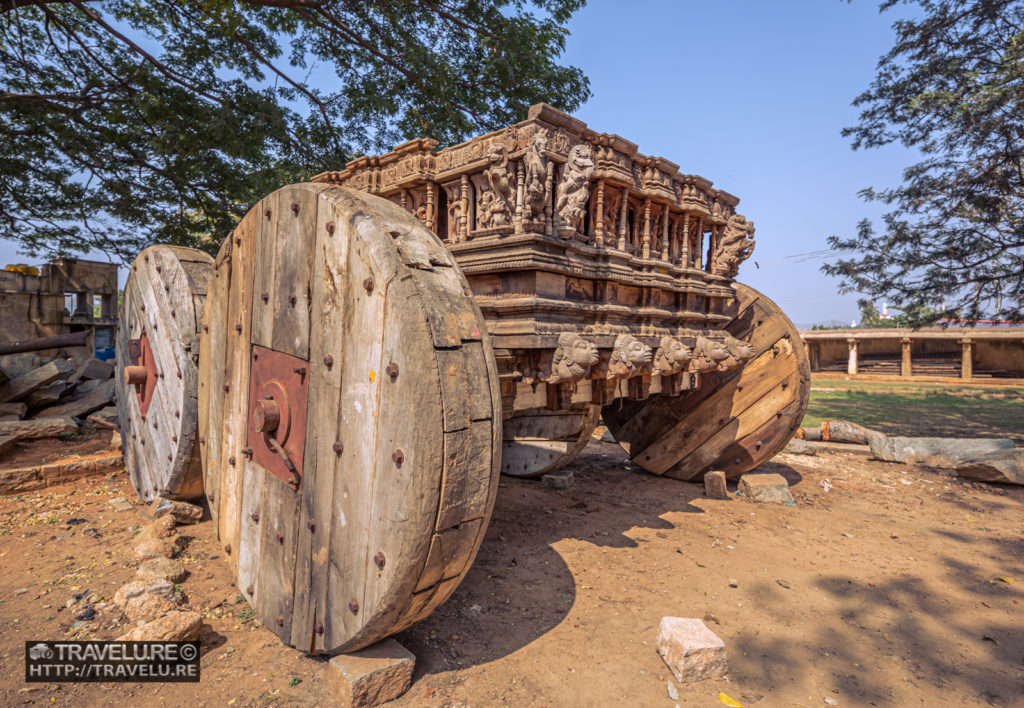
x=540 y=441
x=156 y=351
x=736 y=420
x=351 y=416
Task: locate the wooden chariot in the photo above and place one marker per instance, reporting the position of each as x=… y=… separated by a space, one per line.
x=369 y=349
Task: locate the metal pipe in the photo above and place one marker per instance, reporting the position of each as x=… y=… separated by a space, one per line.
x=75 y=339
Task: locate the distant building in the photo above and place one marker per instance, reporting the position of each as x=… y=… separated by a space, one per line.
x=63 y=296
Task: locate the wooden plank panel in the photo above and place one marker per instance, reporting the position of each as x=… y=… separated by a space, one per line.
x=265 y=253
x=727 y=401
x=321 y=461
x=250 y=536
x=236 y=399
x=294 y=246
x=467 y=473
x=279 y=531
x=360 y=396
x=766 y=407
x=406 y=494
x=212 y=353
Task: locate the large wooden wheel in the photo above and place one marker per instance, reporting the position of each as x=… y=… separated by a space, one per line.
x=351 y=415
x=735 y=420
x=156 y=377
x=540 y=441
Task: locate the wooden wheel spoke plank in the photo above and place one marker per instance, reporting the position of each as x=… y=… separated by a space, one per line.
x=163 y=299
x=399 y=470
x=736 y=420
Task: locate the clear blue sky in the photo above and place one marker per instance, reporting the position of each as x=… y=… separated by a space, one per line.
x=752 y=95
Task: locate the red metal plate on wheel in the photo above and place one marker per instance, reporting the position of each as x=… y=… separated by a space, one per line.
x=277 y=378
x=141 y=354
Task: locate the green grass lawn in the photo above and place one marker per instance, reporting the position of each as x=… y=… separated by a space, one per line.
x=919 y=409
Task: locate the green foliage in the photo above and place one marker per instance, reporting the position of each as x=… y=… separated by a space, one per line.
x=130 y=122
x=952 y=87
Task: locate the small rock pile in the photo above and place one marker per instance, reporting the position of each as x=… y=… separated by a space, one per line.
x=152 y=599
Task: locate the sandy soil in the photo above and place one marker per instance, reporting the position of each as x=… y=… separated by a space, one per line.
x=884 y=585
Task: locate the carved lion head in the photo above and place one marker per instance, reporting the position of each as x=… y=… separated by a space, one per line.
x=581 y=158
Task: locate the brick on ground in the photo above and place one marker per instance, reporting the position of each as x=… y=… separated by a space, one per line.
x=691 y=650
x=371 y=676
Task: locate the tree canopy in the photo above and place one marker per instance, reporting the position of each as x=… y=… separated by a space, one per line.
x=952 y=88
x=129 y=122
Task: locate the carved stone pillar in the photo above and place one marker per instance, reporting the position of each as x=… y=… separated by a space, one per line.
x=664 y=234
x=549 y=182
x=464 y=220
x=432 y=206
x=906 y=370
x=966 y=358
x=851 y=365
x=599 y=215
x=520 y=184
x=700 y=243
x=684 y=247
x=645 y=245
x=712 y=247
x=623 y=213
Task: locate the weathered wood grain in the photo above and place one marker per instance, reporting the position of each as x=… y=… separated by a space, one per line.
x=404 y=426
x=733 y=421
x=164 y=295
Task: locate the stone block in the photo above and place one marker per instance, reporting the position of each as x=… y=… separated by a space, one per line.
x=714 y=485
x=766 y=488
x=93 y=369
x=38 y=427
x=37 y=378
x=692 y=651
x=147 y=607
x=161 y=569
x=371 y=676
x=562 y=479
x=173 y=627
x=800 y=447
x=126 y=592
x=1001 y=468
x=938 y=452
x=182 y=512
x=15 y=409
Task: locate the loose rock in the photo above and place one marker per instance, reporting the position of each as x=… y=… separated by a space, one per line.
x=120 y=504
x=766 y=488
x=161 y=588
x=161 y=569
x=147 y=607
x=714 y=485
x=368 y=677
x=172 y=627
x=183 y=512
x=800 y=447
x=562 y=479
x=692 y=651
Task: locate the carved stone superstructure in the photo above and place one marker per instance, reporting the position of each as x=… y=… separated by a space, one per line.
x=577 y=247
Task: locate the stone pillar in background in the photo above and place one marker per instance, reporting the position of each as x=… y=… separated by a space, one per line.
x=851 y=366
x=966 y=358
x=905 y=368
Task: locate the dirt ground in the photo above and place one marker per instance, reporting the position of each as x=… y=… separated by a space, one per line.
x=885 y=585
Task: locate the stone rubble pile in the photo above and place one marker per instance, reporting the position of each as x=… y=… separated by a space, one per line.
x=42 y=397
